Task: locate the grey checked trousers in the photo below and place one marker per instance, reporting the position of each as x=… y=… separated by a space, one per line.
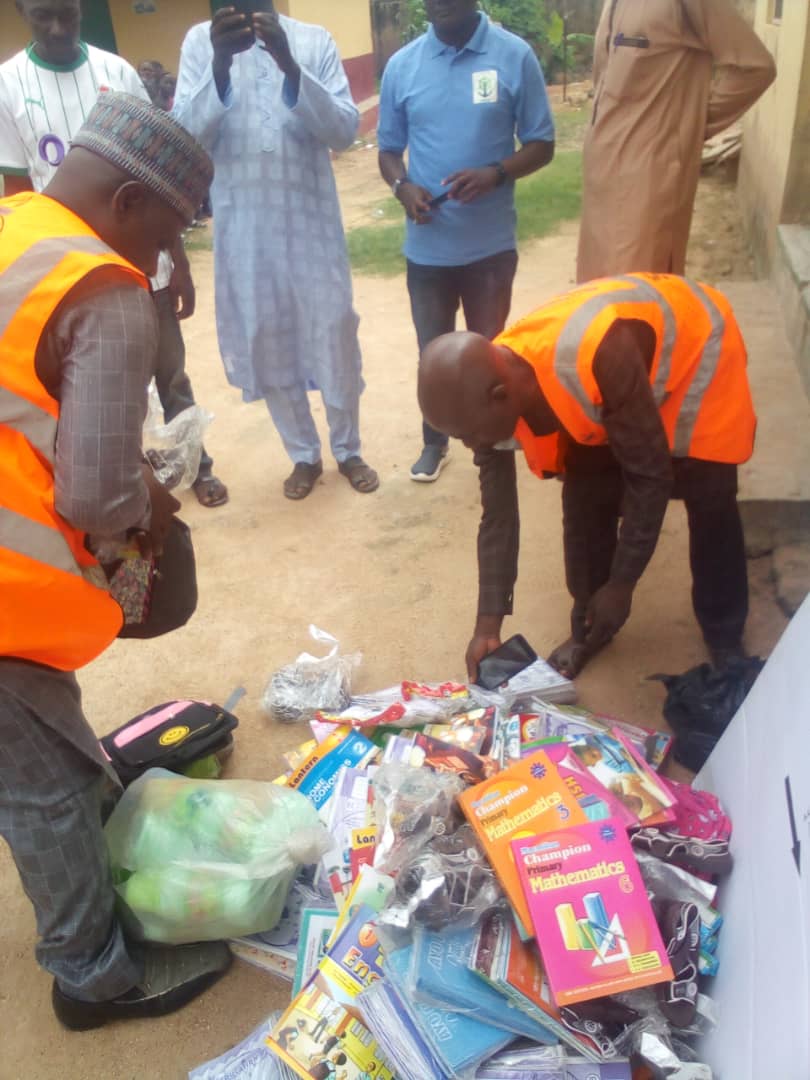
x=51 y=793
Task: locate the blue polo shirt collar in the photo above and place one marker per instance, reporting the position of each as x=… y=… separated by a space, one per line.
x=477 y=43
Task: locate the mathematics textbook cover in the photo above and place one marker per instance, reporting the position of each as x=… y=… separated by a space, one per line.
x=589 y=909
x=523 y=800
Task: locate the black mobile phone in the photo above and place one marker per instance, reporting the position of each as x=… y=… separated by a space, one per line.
x=439 y=199
x=505 y=662
x=245 y=8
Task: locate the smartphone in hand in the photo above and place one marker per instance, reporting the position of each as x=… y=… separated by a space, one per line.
x=500 y=666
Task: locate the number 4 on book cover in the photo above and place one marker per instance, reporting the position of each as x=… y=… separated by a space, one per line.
x=589 y=909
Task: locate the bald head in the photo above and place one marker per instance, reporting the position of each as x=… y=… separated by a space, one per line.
x=468 y=390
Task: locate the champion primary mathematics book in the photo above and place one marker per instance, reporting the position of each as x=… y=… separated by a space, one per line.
x=589 y=908
x=527 y=798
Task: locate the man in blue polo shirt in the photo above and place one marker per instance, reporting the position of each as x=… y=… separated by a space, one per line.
x=455 y=99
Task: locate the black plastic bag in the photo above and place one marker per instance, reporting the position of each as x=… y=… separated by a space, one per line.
x=701 y=703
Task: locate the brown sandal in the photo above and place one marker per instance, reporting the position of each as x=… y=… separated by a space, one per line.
x=210 y=491
x=302 y=480
x=361 y=476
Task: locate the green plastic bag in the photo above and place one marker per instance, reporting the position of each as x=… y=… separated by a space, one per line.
x=203 y=860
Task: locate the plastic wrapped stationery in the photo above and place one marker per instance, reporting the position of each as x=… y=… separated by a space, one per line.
x=296 y=692
x=509 y=891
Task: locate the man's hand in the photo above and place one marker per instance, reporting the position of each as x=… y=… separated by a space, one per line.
x=181 y=289
x=270 y=31
x=471 y=184
x=608 y=611
x=416 y=202
x=231 y=33
x=486 y=639
x=164 y=507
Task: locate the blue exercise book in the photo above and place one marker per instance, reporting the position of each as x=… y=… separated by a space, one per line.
x=457 y=1040
x=441 y=975
x=388 y=1021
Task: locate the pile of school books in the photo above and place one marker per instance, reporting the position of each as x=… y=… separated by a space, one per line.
x=513 y=892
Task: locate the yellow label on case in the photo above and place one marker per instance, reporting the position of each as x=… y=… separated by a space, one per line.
x=174 y=735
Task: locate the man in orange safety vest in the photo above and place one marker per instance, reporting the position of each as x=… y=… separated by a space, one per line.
x=78 y=344
x=635 y=389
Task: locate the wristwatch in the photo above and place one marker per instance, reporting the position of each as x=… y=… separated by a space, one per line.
x=397 y=184
x=503 y=175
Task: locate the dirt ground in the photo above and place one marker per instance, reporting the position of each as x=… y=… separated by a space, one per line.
x=392 y=575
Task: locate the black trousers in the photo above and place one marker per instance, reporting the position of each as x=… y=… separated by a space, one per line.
x=592 y=498
x=171 y=377
x=484 y=290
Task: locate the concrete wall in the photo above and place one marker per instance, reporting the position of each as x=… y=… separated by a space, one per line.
x=776 y=145
x=348 y=21
x=13 y=31
x=158 y=35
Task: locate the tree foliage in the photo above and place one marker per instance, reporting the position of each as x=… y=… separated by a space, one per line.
x=536 y=21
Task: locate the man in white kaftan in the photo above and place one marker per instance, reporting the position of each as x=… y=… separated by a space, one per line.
x=268 y=97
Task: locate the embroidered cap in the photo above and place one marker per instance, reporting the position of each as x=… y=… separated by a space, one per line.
x=145 y=143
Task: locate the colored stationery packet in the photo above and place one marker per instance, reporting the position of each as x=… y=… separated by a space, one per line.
x=348 y=810
x=317 y=776
x=423 y=750
x=588 y=905
x=528 y=797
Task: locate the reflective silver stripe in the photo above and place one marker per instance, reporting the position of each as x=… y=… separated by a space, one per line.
x=22 y=276
x=27 y=537
x=704 y=373
x=568 y=343
x=38 y=426
x=650 y=294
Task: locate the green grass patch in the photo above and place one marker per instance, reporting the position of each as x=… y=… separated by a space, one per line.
x=550 y=196
x=570 y=124
x=199 y=239
x=543 y=201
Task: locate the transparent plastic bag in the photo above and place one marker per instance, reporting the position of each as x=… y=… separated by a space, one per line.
x=174 y=449
x=412 y=806
x=251 y=1059
x=447 y=885
x=200 y=860
x=312 y=684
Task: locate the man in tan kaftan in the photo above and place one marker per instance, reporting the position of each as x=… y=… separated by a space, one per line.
x=655 y=103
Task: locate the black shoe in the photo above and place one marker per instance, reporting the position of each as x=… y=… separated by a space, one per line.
x=431 y=462
x=173 y=976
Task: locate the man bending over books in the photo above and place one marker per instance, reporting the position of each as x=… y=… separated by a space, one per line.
x=635 y=389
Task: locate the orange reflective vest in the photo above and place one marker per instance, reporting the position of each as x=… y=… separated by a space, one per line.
x=50 y=609
x=698 y=373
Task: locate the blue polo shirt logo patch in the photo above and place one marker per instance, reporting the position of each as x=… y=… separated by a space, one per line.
x=485 y=87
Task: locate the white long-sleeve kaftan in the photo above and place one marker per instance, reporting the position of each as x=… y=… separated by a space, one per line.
x=283 y=285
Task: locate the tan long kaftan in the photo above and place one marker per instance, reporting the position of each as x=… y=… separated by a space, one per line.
x=655 y=103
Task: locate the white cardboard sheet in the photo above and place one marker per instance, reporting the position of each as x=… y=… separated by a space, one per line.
x=760 y=770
